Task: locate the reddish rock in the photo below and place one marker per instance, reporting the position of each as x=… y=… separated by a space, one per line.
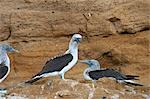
x=114 y=32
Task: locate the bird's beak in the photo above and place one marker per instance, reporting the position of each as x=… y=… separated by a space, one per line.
x=78 y=40
x=84 y=61
x=16 y=51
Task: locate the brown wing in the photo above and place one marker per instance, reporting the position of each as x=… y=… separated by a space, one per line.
x=56 y=64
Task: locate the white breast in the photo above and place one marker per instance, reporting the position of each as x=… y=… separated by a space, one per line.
x=72 y=63
x=5 y=59
x=86 y=74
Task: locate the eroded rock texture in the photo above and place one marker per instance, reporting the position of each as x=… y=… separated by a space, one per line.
x=115 y=32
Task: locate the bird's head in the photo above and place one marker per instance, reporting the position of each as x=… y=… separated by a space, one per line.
x=91 y=63
x=7 y=48
x=75 y=40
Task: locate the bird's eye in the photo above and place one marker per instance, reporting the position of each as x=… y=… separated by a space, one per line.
x=90 y=63
x=77 y=40
x=6 y=48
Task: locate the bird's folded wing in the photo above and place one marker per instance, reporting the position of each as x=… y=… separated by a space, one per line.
x=56 y=64
x=96 y=74
x=3 y=71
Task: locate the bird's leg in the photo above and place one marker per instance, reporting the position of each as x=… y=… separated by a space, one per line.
x=62 y=76
x=49 y=83
x=94 y=84
x=3 y=91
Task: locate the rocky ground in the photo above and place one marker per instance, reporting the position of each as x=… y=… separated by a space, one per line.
x=115 y=32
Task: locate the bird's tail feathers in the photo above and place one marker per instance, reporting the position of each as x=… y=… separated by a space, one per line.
x=132 y=77
x=130 y=82
x=23 y=83
x=32 y=80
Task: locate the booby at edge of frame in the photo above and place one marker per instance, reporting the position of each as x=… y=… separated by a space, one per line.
x=4 y=60
x=60 y=64
x=5 y=63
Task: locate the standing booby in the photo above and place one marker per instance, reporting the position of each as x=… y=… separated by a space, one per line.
x=59 y=65
x=94 y=73
x=4 y=60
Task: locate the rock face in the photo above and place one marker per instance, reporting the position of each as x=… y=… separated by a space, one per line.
x=115 y=32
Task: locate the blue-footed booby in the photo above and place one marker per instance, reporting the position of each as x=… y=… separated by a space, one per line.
x=4 y=60
x=94 y=72
x=60 y=64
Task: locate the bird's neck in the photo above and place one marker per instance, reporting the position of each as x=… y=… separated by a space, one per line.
x=95 y=67
x=90 y=69
x=4 y=59
x=86 y=73
x=73 y=48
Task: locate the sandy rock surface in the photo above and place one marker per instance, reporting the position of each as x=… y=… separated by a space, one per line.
x=115 y=32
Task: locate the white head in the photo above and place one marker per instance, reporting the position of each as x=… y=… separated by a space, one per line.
x=75 y=40
x=4 y=48
x=94 y=64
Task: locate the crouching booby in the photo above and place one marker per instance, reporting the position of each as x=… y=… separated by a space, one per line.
x=4 y=60
x=59 y=65
x=94 y=72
